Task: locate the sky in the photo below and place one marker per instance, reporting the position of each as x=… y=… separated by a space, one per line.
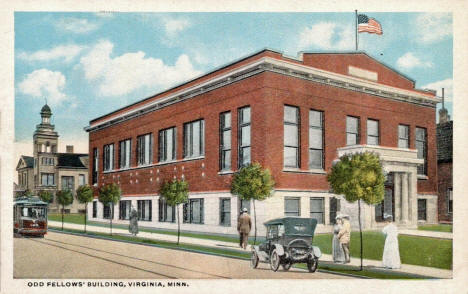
x=88 y=64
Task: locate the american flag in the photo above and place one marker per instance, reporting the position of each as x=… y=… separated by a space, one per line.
x=369 y=25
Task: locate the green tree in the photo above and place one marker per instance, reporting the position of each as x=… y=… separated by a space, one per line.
x=175 y=192
x=64 y=198
x=45 y=196
x=26 y=193
x=358 y=177
x=253 y=182
x=110 y=195
x=85 y=195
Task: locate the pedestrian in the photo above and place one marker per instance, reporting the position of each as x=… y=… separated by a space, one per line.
x=244 y=224
x=338 y=254
x=391 y=253
x=344 y=235
x=133 y=225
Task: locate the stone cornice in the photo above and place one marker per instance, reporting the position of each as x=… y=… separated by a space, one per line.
x=278 y=66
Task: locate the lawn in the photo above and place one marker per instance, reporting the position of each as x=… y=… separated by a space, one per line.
x=413 y=250
x=437 y=228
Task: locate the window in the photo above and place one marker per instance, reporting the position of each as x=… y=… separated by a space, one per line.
x=449 y=201
x=244 y=136
x=167 y=212
x=68 y=183
x=47 y=179
x=315 y=139
x=292 y=206
x=95 y=165
x=317 y=209
x=145 y=149
x=108 y=157
x=106 y=213
x=291 y=136
x=144 y=210
x=193 y=211
x=225 y=141
x=334 y=208
x=167 y=144
x=47 y=161
x=403 y=136
x=352 y=130
x=194 y=139
x=125 y=151
x=422 y=209
x=372 y=132
x=81 y=180
x=421 y=146
x=124 y=209
x=225 y=211
x=244 y=204
x=94 y=209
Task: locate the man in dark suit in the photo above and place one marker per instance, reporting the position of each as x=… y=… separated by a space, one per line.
x=244 y=225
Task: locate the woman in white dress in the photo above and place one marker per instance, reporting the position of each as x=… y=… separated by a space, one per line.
x=338 y=254
x=391 y=253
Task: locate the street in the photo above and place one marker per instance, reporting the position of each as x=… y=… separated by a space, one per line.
x=67 y=256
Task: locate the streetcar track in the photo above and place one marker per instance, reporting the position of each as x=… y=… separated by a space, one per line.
x=139 y=259
x=106 y=259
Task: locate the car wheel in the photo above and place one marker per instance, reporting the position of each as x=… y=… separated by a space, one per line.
x=312 y=264
x=254 y=260
x=274 y=261
x=286 y=266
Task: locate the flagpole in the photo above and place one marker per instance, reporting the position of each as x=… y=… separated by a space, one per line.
x=356 y=31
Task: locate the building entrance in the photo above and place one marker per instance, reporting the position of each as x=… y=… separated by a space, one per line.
x=387 y=206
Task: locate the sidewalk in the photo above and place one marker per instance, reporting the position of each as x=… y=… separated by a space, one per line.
x=405 y=268
x=422 y=233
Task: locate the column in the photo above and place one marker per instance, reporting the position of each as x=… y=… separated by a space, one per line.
x=404 y=197
x=397 y=195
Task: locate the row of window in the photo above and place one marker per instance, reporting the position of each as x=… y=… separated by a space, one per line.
x=47 y=161
x=193 y=210
x=292 y=139
x=194 y=145
x=23 y=179
x=68 y=182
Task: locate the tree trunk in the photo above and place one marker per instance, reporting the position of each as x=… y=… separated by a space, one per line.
x=62 y=217
x=255 y=223
x=85 y=215
x=360 y=229
x=178 y=225
x=111 y=217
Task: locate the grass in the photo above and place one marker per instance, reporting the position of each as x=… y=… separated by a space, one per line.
x=437 y=228
x=423 y=251
x=414 y=250
x=326 y=267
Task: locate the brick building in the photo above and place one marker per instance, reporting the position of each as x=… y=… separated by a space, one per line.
x=445 y=166
x=294 y=116
x=49 y=170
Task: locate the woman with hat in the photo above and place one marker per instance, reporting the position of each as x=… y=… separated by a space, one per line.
x=338 y=254
x=391 y=253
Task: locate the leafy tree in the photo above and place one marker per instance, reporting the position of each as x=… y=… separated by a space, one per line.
x=64 y=198
x=175 y=192
x=358 y=177
x=110 y=195
x=26 y=193
x=85 y=195
x=46 y=196
x=253 y=182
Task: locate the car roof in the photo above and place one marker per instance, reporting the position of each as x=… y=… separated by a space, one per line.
x=29 y=201
x=291 y=220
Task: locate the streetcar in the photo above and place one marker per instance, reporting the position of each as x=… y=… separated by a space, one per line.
x=30 y=217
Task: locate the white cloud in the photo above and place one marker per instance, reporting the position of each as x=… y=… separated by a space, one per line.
x=447 y=84
x=76 y=25
x=433 y=27
x=43 y=83
x=65 y=52
x=131 y=71
x=327 y=35
x=409 y=61
x=175 y=25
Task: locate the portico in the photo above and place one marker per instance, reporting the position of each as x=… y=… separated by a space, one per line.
x=400 y=200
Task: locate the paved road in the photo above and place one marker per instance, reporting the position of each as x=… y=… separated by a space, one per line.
x=67 y=256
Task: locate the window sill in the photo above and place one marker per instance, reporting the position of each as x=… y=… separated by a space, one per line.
x=193 y=158
x=309 y=171
x=226 y=172
x=423 y=177
x=165 y=162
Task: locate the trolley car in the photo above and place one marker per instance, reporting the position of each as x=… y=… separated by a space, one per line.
x=30 y=217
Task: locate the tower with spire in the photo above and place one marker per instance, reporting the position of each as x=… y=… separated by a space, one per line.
x=45 y=138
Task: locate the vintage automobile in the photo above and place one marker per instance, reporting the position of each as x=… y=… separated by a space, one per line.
x=29 y=217
x=288 y=241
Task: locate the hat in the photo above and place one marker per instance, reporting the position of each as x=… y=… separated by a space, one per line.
x=244 y=209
